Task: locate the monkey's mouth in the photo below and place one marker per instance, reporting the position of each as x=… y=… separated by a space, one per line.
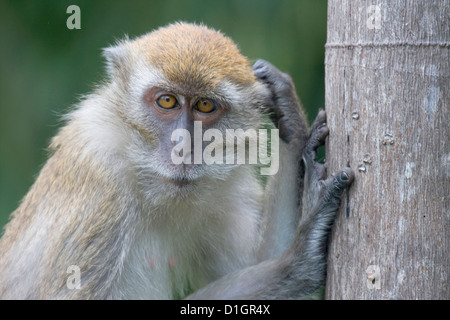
x=178 y=181
x=181 y=177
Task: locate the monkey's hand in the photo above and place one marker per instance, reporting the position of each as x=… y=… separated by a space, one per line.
x=284 y=107
x=321 y=194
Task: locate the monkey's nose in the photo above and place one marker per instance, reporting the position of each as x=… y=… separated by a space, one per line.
x=184 y=153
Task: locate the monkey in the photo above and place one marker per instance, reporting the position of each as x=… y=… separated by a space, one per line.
x=111 y=202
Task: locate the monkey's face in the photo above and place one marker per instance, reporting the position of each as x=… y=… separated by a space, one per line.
x=185 y=88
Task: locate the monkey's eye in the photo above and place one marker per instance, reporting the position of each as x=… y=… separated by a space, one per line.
x=205 y=106
x=167 y=101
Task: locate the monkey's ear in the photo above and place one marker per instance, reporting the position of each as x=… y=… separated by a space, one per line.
x=115 y=59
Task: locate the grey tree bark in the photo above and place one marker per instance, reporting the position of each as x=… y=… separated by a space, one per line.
x=387 y=100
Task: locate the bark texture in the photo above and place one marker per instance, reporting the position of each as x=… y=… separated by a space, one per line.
x=387 y=101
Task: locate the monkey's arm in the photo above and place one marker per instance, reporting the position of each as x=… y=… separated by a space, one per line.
x=300 y=271
x=282 y=199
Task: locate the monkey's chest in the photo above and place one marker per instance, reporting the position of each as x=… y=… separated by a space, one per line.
x=160 y=267
x=178 y=257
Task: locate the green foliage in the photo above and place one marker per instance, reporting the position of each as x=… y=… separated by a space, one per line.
x=45 y=66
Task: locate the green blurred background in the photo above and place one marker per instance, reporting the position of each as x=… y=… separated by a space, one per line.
x=46 y=67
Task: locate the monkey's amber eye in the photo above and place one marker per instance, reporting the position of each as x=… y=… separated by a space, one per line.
x=167 y=102
x=205 y=106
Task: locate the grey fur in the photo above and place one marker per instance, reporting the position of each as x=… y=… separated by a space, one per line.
x=102 y=202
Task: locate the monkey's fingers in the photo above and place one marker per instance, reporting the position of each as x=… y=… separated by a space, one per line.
x=319 y=132
x=321 y=119
x=264 y=71
x=279 y=83
x=334 y=186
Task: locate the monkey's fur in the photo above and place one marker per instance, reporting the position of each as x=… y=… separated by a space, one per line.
x=110 y=201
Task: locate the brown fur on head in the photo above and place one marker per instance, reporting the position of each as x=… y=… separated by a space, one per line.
x=195 y=57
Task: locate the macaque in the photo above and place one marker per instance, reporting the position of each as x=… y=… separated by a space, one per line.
x=113 y=207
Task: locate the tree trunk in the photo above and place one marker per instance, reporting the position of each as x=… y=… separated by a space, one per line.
x=387 y=101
